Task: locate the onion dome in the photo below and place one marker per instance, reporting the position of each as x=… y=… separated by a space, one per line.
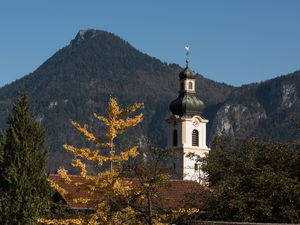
x=187 y=104
x=187 y=73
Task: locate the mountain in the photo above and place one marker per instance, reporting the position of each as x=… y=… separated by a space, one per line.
x=267 y=110
x=79 y=79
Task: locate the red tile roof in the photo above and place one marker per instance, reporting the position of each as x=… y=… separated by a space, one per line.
x=73 y=191
x=170 y=196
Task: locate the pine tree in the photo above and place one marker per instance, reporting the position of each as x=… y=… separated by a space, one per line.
x=23 y=183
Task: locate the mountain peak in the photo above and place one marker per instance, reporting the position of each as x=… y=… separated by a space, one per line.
x=87 y=34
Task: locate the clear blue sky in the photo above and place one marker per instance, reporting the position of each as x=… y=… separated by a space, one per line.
x=232 y=41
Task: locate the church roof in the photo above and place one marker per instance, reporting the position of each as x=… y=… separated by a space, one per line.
x=171 y=196
x=186 y=104
x=187 y=73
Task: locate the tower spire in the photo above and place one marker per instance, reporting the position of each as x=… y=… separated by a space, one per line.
x=187 y=127
x=187 y=49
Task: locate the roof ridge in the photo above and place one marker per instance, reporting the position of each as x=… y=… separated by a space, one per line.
x=78 y=175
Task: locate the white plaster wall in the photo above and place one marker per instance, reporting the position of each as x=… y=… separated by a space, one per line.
x=186 y=85
x=185 y=127
x=189 y=127
x=189 y=172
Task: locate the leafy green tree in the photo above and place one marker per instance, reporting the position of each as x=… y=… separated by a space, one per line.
x=252 y=182
x=23 y=183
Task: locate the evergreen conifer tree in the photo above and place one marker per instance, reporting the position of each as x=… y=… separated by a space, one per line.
x=23 y=183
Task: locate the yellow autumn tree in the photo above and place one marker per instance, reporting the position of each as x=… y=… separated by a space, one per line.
x=113 y=198
x=106 y=186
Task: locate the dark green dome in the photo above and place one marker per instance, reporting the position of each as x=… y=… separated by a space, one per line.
x=186 y=104
x=187 y=73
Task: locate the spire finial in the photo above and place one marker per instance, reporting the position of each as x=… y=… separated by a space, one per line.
x=187 y=48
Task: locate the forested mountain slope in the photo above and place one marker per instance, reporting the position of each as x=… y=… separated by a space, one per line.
x=79 y=79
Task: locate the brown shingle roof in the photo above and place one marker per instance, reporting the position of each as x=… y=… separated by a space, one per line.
x=170 y=196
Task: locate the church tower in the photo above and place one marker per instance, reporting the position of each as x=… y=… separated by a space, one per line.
x=187 y=128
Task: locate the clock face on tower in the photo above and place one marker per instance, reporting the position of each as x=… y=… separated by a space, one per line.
x=195 y=123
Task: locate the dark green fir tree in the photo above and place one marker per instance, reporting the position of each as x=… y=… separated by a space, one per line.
x=23 y=186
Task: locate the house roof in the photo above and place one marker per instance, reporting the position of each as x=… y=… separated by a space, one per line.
x=170 y=196
x=72 y=190
x=173 y=196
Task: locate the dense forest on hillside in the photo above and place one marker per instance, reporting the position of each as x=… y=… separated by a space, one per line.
x=79 y=79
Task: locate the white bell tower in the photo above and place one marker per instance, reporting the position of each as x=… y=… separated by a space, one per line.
x=187 y=129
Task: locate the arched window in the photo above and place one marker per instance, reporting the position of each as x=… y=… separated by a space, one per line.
x=195 y=138
x=190 y=85
x=175 y=138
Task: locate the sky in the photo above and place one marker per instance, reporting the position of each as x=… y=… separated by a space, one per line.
x=233 y=41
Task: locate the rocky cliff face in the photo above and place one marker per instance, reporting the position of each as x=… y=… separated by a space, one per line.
x=234 y=118
x=266 y=110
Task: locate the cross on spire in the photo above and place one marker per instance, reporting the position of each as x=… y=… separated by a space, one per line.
x=187 y=48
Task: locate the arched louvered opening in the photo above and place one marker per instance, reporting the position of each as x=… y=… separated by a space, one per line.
x=195 y=138
x=190 y=85
x=175 y=138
